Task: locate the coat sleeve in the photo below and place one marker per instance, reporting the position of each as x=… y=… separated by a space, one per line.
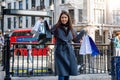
x=54 y=30
x=79 y=36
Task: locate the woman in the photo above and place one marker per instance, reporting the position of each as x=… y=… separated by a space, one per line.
x=65 y=60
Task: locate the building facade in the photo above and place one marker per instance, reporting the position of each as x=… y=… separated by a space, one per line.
x=21 y=21
x=96 y=16
x=88 y=14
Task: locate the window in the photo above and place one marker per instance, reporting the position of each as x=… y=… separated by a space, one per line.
x=99 y=16
x=50 y=21
x=71 y=12
x=33 y=20
x=26 y=21
x=14 y=22
x=26 y=4
x=9 y=23
x=51 y=2
x=116 y=17
x=20 y=5
x=14 y=5
x=20 y=22
x=80 y=15
x=63 y=1
x=42 y=5
x=9 y=5
x=25 y=33
x=99 y=1
x=33 y=3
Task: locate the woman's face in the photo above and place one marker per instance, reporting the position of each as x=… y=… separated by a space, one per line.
x=119 y=35
x=64 y=18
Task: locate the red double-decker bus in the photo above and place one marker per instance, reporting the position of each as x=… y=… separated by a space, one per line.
x=25 y=35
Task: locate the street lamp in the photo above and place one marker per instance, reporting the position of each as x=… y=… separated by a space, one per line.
x=7 y=56
x=3 y=4
x=52 y=12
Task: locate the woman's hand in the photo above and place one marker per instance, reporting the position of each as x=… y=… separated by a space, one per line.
x=81 y=41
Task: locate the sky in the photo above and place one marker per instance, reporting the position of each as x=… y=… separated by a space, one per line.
x=114 y=4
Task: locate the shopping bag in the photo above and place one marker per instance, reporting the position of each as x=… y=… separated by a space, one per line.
x=85 y=46
x=95 y=50
x=88 y=46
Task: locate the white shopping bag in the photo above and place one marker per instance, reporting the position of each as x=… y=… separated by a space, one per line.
x=85 y=46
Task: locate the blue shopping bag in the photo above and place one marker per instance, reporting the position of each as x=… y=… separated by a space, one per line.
x=95 y=50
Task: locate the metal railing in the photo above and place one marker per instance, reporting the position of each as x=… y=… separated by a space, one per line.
x=41 y=61
x=95 y=64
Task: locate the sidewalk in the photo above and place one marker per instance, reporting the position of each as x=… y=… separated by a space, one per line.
x=79 y=77
x=2 y=73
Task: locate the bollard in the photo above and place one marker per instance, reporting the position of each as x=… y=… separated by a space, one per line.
x=112 y=69
x=7 y=64
x=115 y=68
x=118 y=68
x=4 y=52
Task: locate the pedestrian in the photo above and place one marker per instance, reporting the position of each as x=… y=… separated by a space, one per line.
x=29 y=48
x=1 y=39
x=1 y=45
x=65 y=59
x=117 y=44
x=30 y=59
x=39 y=29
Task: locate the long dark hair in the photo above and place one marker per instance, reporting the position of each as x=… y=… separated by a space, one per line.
x=69 y=23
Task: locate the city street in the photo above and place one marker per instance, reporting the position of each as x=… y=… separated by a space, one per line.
x=79 y=77
x=38 y=39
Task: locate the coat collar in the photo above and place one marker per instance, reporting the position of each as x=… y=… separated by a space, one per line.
x=63 y=36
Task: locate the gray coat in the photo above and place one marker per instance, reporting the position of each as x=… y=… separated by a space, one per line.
x=65 y=60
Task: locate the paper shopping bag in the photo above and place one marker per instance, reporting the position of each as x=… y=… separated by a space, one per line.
x=85 y=46
x=94 y=48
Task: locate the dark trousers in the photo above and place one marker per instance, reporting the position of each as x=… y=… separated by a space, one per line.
x=63 y=77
